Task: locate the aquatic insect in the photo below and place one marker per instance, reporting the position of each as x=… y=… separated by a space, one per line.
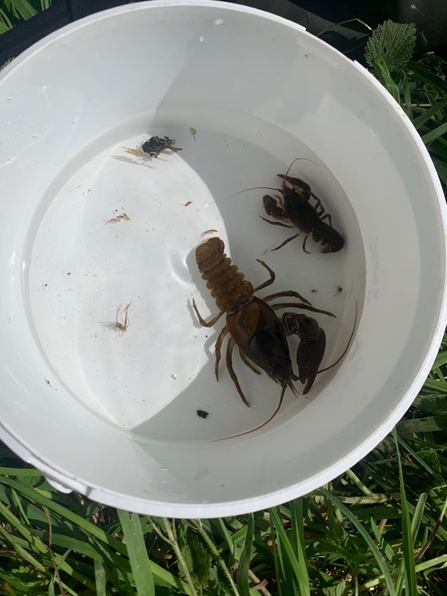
x=117 y=325
x=153 y=147
x=250 y=322
x=293 y=206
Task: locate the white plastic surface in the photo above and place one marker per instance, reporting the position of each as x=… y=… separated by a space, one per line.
x=114 y=415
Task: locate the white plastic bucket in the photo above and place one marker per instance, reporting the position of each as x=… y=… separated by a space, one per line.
x=113 y=414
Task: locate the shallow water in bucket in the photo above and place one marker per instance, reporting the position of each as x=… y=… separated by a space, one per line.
x=85 y=268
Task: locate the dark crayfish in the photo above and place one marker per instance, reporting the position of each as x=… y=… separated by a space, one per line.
x=251 y=322
x=293 y=206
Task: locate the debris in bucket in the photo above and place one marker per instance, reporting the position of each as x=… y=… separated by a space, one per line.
x=118 y=218
x=314 y=291
x=120 y=325
x=211 y=231
x=187 y=204
x=153 y=147
x=202 y=414
x=192 y=132
x=294 y=207
x=338 y=291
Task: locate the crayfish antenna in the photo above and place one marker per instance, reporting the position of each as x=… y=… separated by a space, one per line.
x=248 y=432
x=253 y=188
x=294 y=161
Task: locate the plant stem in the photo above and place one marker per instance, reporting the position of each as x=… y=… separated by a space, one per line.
x=261 y=587
x=196 y=523
x=178 y=552
x=432 y=535
x=367 y=500
x=358 y=483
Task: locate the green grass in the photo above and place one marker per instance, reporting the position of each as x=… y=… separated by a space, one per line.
x=375 y=530
x=379 y=529
x=13 y=12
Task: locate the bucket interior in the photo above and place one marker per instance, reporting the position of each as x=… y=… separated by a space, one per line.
x=107 y=376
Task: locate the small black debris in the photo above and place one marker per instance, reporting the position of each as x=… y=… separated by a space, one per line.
x=202 y=414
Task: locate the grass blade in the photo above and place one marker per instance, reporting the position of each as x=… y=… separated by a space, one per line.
x=434 y=134
x=421 y=73
x=408 y=545
x=297 y=530
x=133 y=535
x=100 y=579
x=429 y=113
x=276 y=561
x=285 y=545
x=382 y=543
x=21 y=9
x=423 y=425
x=228 y=537
x=407 y=98
x=244 y=563
x=5 y=21
x=438 y=386
x=418 y=515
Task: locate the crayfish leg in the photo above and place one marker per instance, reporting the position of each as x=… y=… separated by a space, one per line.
x=229 y=362
x=328 y=217
x=217 y=347
x=304 y=245
x=289 y=293
x=269 y=281
x=202 y=321
x=287 y=241
x=247 y=362
x=276 y=223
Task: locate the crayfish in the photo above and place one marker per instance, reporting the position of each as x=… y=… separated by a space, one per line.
x=253 y=325
x=293 y=206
